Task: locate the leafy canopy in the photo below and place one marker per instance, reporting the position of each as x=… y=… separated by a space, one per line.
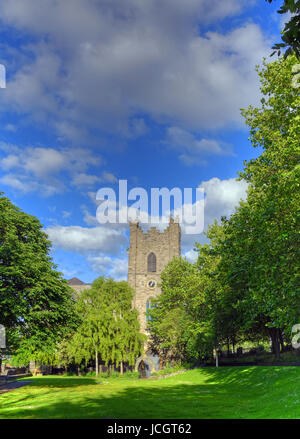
x=36 y=305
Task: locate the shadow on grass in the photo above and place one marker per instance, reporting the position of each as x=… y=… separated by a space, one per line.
x=206 y=393
x=64 y=382
x=181 y=401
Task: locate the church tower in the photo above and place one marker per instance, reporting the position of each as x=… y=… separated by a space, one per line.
x=148 y=254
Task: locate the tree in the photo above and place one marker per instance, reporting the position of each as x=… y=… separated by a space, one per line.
x=291 y=31
x=36 y=305
x=224 y=321
x=109 y=327
x=245 y=284
x=260 y=254
x=179 y=322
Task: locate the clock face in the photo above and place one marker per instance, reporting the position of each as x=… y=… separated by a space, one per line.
x=151 y=284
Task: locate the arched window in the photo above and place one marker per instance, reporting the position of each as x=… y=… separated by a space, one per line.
x=149 y=306
x=151 y=262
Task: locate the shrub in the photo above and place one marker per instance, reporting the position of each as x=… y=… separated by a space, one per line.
x=130 y=374
x=168 y=369
x=70 y=374
x=260 y=349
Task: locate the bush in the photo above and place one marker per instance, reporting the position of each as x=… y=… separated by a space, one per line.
x=171 y=369
x=70 y=374
x=130 y=374
x=103 y=375
x=260 y=349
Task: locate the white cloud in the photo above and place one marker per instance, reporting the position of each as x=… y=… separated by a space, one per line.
x=105 y=63
x=82 y=179
x=284 y=19
x=222 y=196
x=66 y=214
x=26 y=185
x=16 y=183
x=88 y=218
x=191 y=255
x=104 y=245
x=192 y=148
x=84 y=240
x=108 y=177
x=41 y=169
x=10 y=127
x=117 y=268
x=190 y=160
x=43 y=162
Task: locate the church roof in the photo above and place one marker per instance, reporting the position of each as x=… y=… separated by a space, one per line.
x=75 y=281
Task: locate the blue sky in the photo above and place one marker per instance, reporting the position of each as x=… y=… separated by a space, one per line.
x=149 y=92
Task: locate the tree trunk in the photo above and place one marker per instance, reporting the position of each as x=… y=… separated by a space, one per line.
x=100 y=367
x=281 y=341
x=121 y=368
x=97 y=362
x=217 y=358
x=274 y=334
x=228 y=347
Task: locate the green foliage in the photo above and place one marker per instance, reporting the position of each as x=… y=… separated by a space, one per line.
x=291 y=31
x=168 y=369
x=109 y=326
x=179 y=327
x=224 y=321
x=90 y=373
x=131 y=374
x=245 y=284
x=260 y=254
x=36 y=304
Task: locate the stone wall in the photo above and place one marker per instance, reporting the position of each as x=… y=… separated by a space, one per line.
x=79 y=288
x=165 y=245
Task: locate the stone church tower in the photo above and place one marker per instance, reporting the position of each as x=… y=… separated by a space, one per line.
x=148 y=255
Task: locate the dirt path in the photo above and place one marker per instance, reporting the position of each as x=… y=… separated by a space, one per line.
x=8 y=387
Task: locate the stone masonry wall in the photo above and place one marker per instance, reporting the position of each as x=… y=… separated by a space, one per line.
x=165 y=245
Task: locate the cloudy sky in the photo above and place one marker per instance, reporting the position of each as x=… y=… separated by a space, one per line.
x=103 y=90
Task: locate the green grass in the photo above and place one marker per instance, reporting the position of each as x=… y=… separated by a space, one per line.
x=226 y=392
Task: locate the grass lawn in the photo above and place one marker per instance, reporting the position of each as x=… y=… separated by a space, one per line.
x=227 y=392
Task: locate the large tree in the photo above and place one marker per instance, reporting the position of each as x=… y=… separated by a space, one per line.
x=36 y=305
x=224 y=321
x=109 y=328
x=260 y=255
x=179 y=318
